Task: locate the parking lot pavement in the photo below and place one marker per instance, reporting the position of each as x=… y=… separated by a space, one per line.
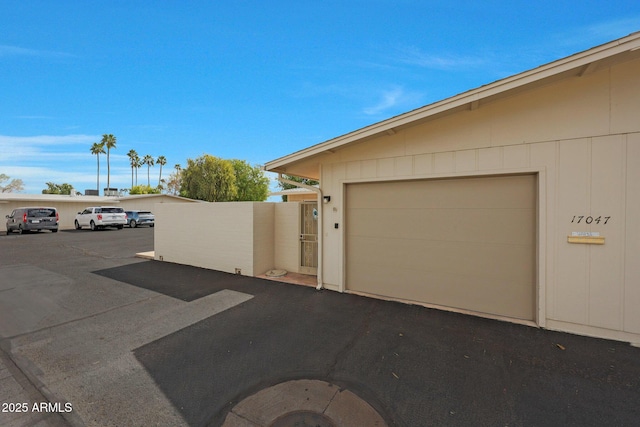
x=136 y=342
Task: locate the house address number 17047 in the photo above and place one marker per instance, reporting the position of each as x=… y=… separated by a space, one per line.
x=577 y=219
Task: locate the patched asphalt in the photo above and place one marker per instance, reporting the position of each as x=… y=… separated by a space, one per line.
x=414 y=366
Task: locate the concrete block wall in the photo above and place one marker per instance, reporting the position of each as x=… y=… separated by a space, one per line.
x=252 y=237
x=210 y=235
x=263 y=237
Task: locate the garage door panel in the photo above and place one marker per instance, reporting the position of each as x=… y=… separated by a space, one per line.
x=494 y=262
x=473 y=225
x=476 y=194
x=480 y=261
x=466 y=292
x=466 y=257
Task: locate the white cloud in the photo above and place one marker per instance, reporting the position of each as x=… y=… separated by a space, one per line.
x=30 y=148
x=394 y=98
x=16 y=51
x=561 y=44
x=609 y=30
x=82 y=176
x=33 y=173
x=414 y=56
x=7 y=141
x=60 y=159
x=389 y=100
x=6 y=50
x=312 y=90
x=34 y=117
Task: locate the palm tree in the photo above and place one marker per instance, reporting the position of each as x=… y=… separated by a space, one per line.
x=173 y=184
x=98 y=148
x=133 y=161
x=148 y=160
x=161 y=161
x=110 y=142
x=139 y=164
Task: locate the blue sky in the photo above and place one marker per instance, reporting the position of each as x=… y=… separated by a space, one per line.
x=253 y=80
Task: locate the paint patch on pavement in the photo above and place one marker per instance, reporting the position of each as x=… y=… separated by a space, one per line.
x=178 y=281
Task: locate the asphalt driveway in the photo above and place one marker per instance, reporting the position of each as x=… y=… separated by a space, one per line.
x=135 y=342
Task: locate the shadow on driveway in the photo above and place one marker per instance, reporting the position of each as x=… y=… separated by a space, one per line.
x=415 y=366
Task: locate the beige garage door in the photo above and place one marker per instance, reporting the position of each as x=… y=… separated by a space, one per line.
x=465 y=243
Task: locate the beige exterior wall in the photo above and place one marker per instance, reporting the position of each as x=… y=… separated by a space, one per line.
x=251 y=236
x=582 y=137
x=263 y=237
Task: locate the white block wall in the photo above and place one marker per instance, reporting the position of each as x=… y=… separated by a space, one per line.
x=219 y=236
x=253 y=237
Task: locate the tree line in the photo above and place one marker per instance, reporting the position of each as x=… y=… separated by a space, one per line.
x=214 y=179
x=109 y=142
x=207 y=177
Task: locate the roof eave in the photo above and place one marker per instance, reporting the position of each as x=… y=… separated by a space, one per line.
x=582 y=62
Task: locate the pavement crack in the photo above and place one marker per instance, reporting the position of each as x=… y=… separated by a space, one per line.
x=355 y=337
x=331 y=400
x=93 y=254
x=80 y=319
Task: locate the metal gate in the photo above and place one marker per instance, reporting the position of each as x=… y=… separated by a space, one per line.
x=309 y=238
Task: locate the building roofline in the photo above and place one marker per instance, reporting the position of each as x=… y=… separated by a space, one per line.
x=140 y=196
x=291 y=192
x=580 y=64
x=7 y=197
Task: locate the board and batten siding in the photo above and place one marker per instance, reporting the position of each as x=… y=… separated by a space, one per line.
x=581 y=137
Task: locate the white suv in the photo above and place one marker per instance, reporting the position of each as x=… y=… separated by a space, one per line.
x=101 y=217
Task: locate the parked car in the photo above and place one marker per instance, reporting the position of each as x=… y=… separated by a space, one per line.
x=100 y=217
x=32 y=219
x=137 y=218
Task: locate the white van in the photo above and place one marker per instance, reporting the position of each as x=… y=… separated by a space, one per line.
x=27 y=219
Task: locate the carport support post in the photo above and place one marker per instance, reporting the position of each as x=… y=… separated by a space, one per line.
x=320 y=219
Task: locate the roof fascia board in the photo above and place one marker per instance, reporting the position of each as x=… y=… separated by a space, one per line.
x=472 y=97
